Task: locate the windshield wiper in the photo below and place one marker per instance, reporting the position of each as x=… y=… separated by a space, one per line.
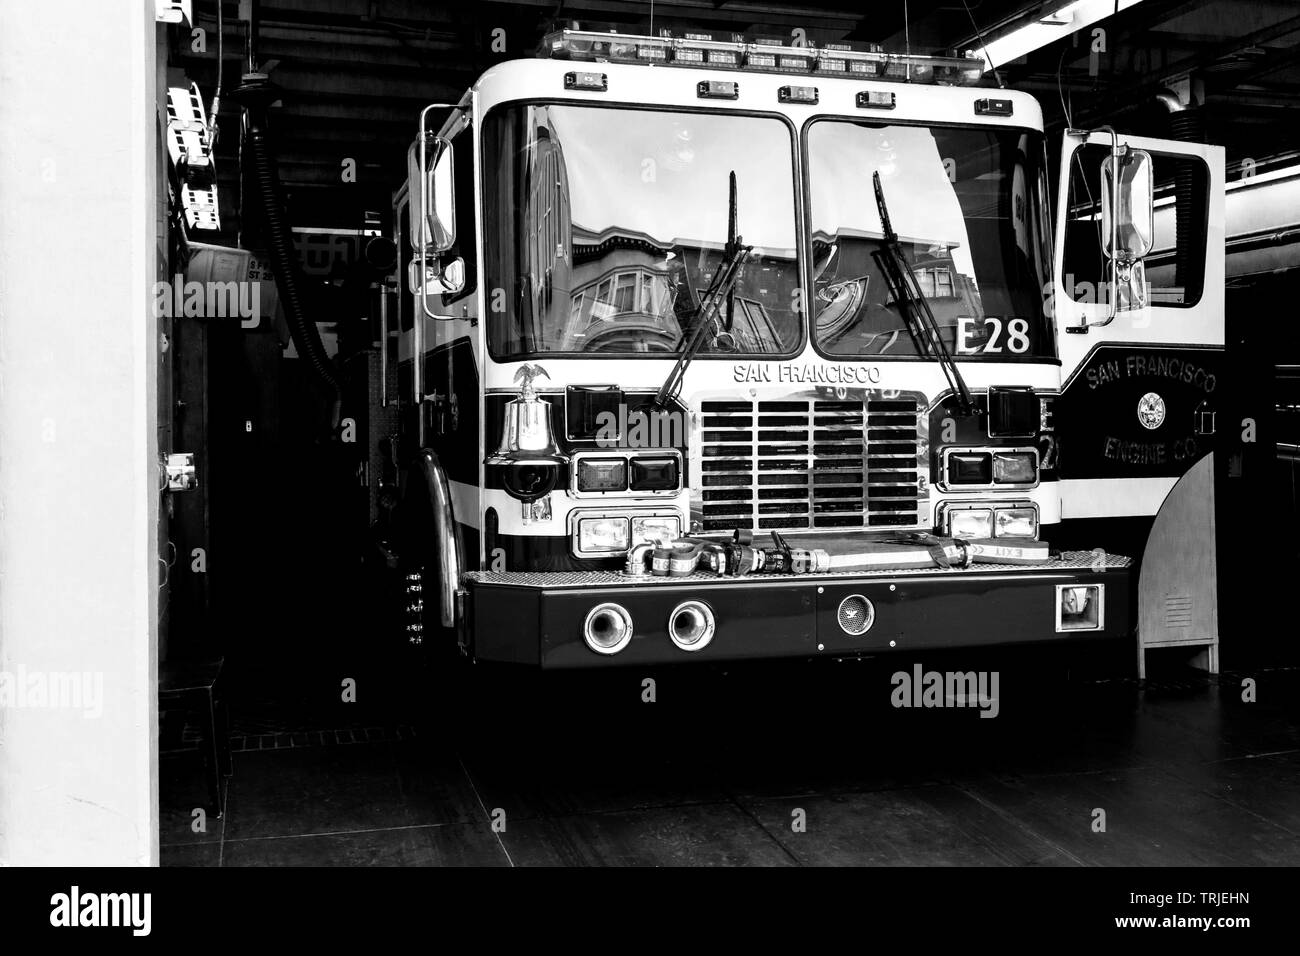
x=912 y=303
x=721 y=289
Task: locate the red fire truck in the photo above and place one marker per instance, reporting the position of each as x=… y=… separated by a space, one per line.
x=718 y=349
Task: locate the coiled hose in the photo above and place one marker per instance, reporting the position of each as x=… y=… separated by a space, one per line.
x=1187 y=126
x=255 y=94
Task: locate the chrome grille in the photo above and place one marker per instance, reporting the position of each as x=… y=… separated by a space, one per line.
x=810 y=464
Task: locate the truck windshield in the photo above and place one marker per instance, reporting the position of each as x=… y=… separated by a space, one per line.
x=968 y=207
x=605 y=226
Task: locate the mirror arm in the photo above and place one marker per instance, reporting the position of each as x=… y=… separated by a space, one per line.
x=417 y=379
x=1112 y=293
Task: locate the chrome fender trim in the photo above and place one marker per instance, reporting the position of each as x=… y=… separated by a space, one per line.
x=449 y=561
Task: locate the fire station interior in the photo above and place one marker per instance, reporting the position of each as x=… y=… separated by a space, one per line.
x=339 y=742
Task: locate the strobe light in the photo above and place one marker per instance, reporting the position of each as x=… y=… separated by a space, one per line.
x=691 y=625
x=607 y=628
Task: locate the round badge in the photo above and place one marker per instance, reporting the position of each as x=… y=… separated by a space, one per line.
x=1151 y=410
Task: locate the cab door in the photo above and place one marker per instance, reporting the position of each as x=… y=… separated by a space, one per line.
x=1139 y=310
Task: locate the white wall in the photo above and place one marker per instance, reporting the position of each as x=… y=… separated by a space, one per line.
x=78 y=447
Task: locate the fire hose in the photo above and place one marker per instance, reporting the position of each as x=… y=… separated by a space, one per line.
x=739 y=557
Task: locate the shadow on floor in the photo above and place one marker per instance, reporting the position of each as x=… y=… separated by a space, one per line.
x=762 y=765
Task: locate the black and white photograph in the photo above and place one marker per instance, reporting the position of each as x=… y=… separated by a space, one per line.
x=652 y=434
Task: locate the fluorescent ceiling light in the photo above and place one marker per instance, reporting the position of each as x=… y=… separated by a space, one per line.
x=1049 y=28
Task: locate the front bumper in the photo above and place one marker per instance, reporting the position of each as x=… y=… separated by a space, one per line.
x=537 y=617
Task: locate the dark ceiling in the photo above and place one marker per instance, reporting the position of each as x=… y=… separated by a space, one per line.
x=355 y=73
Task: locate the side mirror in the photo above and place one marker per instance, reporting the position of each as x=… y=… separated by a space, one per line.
x=439 y=278
x=1132 y=222
x=432 y=201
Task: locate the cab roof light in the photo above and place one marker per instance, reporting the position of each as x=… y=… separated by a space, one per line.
x=842 y=59
x=639 y=50
x=694 y=50
x=797 y=94
x=762 y=54
x=966 y=70
x=876 y=100
x=717 y=90
x=597 y=82
x=799 y=61
x=993 y=107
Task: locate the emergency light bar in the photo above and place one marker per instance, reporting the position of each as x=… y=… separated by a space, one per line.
x=767 y=56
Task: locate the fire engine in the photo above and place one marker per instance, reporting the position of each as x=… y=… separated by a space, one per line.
x=723 y=348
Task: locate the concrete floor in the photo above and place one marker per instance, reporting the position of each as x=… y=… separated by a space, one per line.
x=721 y=766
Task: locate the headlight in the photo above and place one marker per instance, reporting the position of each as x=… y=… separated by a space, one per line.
x=596 y=535
x=976 y=468
x=971 y=523
x=1015 y=468
x=656 y=528
x=654 y=474
x=602 y=474
x=1016 y=523
x=969 y=468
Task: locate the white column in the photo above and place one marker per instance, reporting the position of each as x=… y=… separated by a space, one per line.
x=79 y=499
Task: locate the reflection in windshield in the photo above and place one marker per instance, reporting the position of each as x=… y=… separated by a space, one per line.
x=967 y=205
x=605 y=226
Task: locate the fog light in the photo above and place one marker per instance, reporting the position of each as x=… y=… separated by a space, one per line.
x=607 y=629
x=1080 y=607
x=1016 y=523
x=691 y=625
x=1015 y=468
x=602 y=535
x=971 y=523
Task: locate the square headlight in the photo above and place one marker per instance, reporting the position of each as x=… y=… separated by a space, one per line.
x=651 y=529
x=1016 y=523
x=602 y=535
x=1015 y=468
x=602 y=474
x=654 y=474
x=971 y=523
x=970 y=468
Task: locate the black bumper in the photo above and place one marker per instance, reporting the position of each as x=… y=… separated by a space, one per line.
x=537 y=618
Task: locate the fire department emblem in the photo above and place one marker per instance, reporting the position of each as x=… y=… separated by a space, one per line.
x=1151 y=410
